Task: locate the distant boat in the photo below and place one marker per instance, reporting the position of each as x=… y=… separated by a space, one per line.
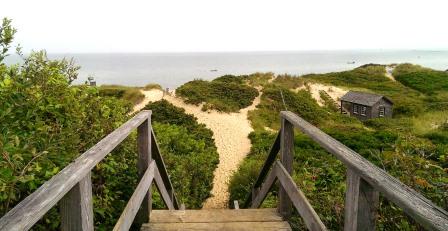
x=352 y=62
x=213 y=70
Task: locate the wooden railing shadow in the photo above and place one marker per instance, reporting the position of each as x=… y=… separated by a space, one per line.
x=365 y=182
x=72 y=186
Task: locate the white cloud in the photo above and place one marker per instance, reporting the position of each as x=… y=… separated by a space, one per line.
x=231 y=25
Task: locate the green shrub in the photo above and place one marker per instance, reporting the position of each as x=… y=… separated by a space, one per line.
x=227 y=93
x=46 y=123
x=189 y=152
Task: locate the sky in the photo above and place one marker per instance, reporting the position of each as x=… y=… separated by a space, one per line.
x=83 y=26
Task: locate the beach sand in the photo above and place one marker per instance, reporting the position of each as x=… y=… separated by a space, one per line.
x=335 y=92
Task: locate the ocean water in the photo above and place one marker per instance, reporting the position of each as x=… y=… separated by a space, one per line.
x=173 y=69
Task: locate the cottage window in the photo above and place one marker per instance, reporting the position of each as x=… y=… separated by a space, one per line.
x=355 y=109
x=382 y=111
x=363 y=110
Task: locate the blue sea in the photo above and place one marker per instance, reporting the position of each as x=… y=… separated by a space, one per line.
x=173 y=69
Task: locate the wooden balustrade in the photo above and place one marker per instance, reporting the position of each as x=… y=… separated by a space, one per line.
x=365 y=182
x=72 y=186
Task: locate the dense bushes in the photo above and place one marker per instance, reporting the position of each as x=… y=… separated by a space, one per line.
x=227 y=93
x=189 y=152
x=45 y=123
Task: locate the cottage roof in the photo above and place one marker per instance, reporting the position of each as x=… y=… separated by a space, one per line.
x=363 y=98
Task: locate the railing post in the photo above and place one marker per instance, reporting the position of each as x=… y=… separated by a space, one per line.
x=286 y=158
x=361 y=204
x=76 y=207
x=144 y=158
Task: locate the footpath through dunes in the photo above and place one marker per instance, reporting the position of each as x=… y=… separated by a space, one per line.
x=230 y=131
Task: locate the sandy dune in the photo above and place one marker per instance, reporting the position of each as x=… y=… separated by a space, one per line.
x=230 y=131
x=150 y=96
x=335 y=92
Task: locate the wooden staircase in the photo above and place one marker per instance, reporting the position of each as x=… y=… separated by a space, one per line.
x=71 y=189
x=216 y=219
x=336 y=104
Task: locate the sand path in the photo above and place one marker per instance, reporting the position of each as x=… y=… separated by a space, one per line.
x=230 y=131
x=389 y=71
x=334 y=92
x=150 y=96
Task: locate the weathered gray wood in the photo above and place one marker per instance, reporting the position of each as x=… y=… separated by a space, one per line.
x=286 y=157
x=303 y=206
x=236 y=204
x=76 y=207
x=130 y=211
x=32 y=208
x=361 y=204
x=227 y=226
x=162 y=190
x=144 y=158
x=156 y=155
x=414 y=204
x=264 y=190
x=214 y=215
x=272 y=156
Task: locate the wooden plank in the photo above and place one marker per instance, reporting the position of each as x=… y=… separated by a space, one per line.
x=306 y=211
x=264 y=190
x=286 y=157
x=414 y=204
x=272 y=156
x=133 y=205
x=214 y=215
x=361 y=204
x=157 y=156
x=230 y=226
x=33 y=207
x=76 y=207
x=162 y=190
x=144 y=158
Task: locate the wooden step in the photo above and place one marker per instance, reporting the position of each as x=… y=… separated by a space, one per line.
x=216 y=219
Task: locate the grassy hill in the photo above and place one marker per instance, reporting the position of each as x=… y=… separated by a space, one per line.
x=412 y=146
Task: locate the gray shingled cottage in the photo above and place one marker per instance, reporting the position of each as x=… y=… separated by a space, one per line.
x=365 y=105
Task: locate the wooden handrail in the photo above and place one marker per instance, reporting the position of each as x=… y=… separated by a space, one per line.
x=364 y=181
x=131 y=209
x=413 y=203
x=72 y=185
x=300 y=202
x=162 y=170
x=272 y=156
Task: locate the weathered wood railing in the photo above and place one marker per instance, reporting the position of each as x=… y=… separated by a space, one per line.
x=72 y=186
x=364 y=183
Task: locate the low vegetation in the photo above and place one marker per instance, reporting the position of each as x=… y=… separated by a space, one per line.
x=422 y=79
x=189 y=152
x=227 y=93
x=152 y=86
x=417 y=157
x=132 y=95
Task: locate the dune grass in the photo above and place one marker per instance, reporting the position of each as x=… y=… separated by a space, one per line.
x=129 y=94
